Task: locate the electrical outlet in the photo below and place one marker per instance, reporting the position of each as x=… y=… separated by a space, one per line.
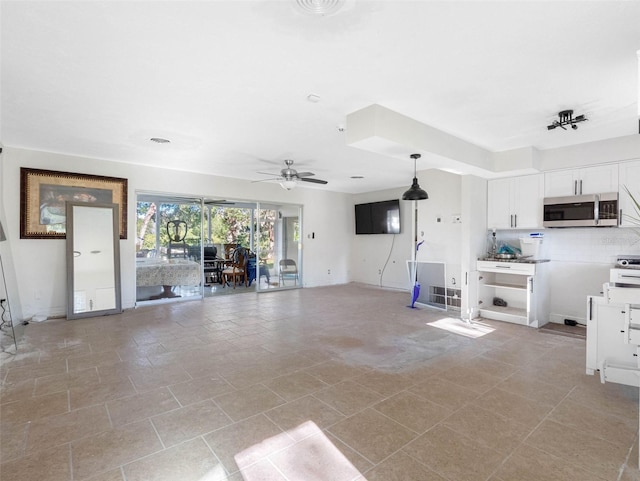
x=329 y=271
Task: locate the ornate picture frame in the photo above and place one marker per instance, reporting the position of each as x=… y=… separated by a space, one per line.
x=43 y=194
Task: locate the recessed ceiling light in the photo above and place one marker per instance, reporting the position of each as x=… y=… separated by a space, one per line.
x=313 y=98
x=357 y=176
x=319 y=7
x=159 y=140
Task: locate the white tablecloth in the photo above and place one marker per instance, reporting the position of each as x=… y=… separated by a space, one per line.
x=167 y=272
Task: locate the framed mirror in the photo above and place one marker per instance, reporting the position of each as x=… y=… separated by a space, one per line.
x=93 y=260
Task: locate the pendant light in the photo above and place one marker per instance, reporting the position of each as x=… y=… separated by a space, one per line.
x=415 y=192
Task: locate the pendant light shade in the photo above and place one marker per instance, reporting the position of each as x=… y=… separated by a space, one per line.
x=415 y=192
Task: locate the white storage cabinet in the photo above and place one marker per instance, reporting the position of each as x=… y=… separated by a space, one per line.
x=607 y=350
x=629 y=177
x=523 y=286
x=515 y=202
x=589 y=180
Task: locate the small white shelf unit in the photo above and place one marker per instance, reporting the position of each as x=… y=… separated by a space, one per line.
x=522 y=286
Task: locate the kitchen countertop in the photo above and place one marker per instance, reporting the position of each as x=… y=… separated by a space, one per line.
x=519 y=260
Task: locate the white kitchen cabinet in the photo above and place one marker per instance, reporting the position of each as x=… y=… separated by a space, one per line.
x=607 y=350
x=588 y=180
x=523 y=286
x=515 y=202
x=629 y=177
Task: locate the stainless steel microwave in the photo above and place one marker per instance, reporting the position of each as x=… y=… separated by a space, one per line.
x=595 y=210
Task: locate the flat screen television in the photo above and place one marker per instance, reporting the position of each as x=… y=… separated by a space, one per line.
x=378 y=217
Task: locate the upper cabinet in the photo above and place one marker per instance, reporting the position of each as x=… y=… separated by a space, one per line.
x=515 y=202
x=589 y=180
x=629 y=178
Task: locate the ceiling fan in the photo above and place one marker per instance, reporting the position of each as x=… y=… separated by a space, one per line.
x=289 y=177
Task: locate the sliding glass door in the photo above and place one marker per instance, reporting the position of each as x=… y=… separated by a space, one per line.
x=168 y=247
x=279 y=246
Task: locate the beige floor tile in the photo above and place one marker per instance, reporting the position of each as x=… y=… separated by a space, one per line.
x=140 y=406
x=307 y=408
x=84 y=396
x=531 y=464
x=51 y=464
x=182 y=424
x=105 y=451
x=17 y=390
x=348 y=397
x=113 y=475
x=333 y=372
x=612 y=398
x=314 y=457
x=413 y=411
x=248 y=402
x=600 y=423
x=470 y=378
x=401 y=467
x=372 y=434
x=542 y=392
x=237 y=437
x=524 y=410
x=361 y=463
x=592 y=454
x=310 y=354
x=64 y=428
x=30 y=409
x=63 y=382
x=263 y=470
x=93 y=360
x=445 y=393
x=33 y=371
x=148 y=378
x=199 y=389
x=384 y=383
x=295 y=385
x=13 y=440
x=189 y=461
x=453 y=455
x=487 y=428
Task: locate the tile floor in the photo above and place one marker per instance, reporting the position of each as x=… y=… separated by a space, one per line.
x=175 y=392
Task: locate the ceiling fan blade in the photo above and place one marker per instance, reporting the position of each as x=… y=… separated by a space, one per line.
x=315 y=181
x=268 y=173
x=279 y=179
x=306 y=174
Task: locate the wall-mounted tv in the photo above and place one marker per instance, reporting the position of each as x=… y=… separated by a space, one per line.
x=378 y=217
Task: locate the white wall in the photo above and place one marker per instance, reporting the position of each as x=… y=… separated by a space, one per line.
x=580 y=263
x=40 y=265
x=380 y=259
x=442 y=240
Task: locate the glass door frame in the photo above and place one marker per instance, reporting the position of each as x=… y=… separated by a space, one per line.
x=278 y=243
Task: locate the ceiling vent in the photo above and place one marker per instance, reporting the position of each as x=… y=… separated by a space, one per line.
x=320 y=8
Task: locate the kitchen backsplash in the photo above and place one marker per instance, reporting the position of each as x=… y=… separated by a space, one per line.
x=588 y=244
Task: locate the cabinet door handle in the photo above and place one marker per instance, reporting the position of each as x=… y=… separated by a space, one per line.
x=502 y=267
x=531 y=285
x=590 y=308
x=511 y=220
x=620 y=218
x=466 y=278
x=575 y=187
x=515 y=220
x=580 y=186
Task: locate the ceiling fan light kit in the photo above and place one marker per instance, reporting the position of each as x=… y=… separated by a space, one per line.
x=289 y=177
x=566 y=118
x=415 y=192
